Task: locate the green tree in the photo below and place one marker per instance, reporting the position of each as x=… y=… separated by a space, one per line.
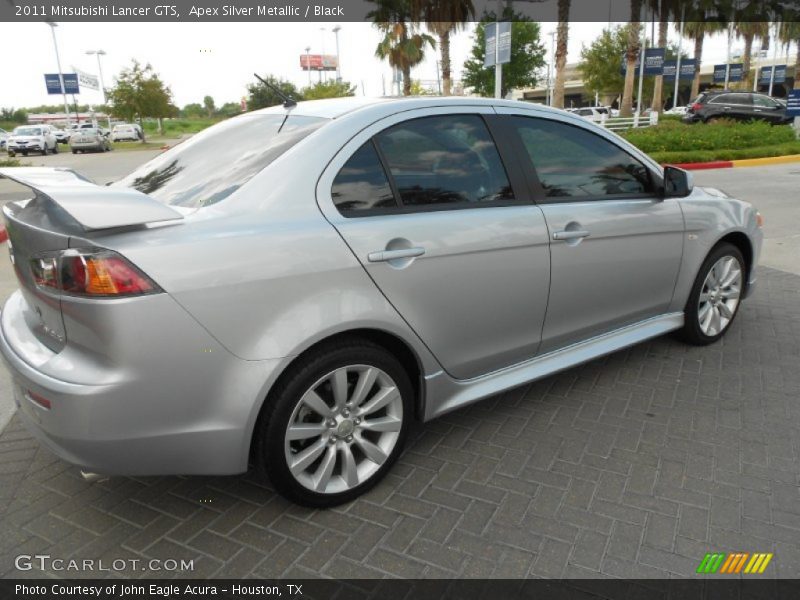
x=193 y=110
x=328 y=89
x=444 y=17
x=260 y=96
x=18 y=115
x=229 y=109
x=527 y=56
x=750 y=31
x=403 y=45
x=138 y=93
x=208 y=104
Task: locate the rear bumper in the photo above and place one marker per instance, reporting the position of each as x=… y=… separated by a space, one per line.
x=178 y=404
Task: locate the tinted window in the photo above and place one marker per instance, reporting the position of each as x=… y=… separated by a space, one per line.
x=211 y=165
x=444 y=160
x=574 y=163
x=362 y=184
x=764 y=102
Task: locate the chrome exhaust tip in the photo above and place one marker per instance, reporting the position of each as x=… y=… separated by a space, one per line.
x=93 y=477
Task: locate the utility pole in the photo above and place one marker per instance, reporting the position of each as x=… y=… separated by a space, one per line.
x=642 y=53
x=775 y=56
x=551 y=84
x=308 y=64
x=53 y=26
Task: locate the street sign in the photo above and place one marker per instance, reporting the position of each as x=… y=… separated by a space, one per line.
x=318 y=62
x=736 y=72
x=793 y=104
x=764 y=74
x=87 y=80
x=687 y=69
x=53 y=83
x=503 y=50
x=654 y=61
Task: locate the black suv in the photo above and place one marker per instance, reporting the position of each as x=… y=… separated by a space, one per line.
x=742 y=106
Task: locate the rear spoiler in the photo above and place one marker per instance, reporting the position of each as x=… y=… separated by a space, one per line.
x=93 y=206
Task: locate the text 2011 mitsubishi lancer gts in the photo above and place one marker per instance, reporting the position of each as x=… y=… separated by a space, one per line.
x=294 y=286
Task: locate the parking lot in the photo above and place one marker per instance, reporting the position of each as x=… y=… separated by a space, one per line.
x=634 y=465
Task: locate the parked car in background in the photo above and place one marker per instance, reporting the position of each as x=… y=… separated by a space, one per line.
x=677 y=110
x=740 y=106
x=294 y=286
x=88 y=139
x=592 y=113
x=125 y=132
x=62 y=136
x=32 y=138
x=79 y=126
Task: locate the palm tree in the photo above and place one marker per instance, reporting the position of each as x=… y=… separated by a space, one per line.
x=443 y=17
x=561 y=52
x=750 y=30
x=790 y=32
x=402 y=44
x=697 y=31
x=634 y=31
x=664 y=8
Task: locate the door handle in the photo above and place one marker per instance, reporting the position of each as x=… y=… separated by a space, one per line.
x=387 y=255
x=568 y=234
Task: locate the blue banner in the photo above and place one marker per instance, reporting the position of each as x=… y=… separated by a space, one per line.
x=53 y=83
x=687 y=68
x=764 y=74
x=493 y=32
x=793 y=104
x=654 y=61
x=736 y=72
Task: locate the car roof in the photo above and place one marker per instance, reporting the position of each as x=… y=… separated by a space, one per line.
x=338 y=107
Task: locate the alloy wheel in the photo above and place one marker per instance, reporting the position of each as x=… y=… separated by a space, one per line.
x=719 y=296
x=343 y=429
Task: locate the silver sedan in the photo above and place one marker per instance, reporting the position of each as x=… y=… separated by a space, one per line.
x=293 y=287
x=86 y=139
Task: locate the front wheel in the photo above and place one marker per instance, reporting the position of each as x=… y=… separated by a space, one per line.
x=335 y=424
x=715 y=296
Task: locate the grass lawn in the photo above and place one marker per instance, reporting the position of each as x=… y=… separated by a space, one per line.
x=673 y=141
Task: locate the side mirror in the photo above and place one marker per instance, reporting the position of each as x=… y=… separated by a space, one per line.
x=677 y=182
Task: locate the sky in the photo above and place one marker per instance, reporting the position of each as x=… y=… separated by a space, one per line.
x=218 y=59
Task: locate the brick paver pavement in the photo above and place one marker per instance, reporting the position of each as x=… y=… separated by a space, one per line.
x=634 y=465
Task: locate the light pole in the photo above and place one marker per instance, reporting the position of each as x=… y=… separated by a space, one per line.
x=60 y=73
x=550 y=65
x=98 y=54
x=336 y=31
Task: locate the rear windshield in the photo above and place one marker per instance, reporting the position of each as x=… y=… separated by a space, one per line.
x=213 y=164
x=27 y=131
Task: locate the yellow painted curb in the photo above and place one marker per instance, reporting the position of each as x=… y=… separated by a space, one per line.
x=771 y=160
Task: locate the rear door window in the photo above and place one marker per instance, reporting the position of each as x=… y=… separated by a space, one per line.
x=444 y=161
x=362 y=185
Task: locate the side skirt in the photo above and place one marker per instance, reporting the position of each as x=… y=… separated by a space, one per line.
x=445 y=394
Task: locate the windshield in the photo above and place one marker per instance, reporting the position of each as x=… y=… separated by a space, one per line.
x=213 y=164
x=27 y=131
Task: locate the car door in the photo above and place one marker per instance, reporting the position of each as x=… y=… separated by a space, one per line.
x=447 y=232
x=615 y=245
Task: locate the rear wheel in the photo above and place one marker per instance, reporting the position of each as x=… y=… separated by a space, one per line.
x=715 y=297
x=55 y=148
x=335 y=424
x=44 y=149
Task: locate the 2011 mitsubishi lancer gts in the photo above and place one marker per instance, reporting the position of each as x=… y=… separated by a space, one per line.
x=294 y=286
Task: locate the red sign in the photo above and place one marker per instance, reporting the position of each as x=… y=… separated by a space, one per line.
x=318 y=62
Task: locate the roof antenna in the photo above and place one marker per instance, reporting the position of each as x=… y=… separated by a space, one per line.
x=287 y=101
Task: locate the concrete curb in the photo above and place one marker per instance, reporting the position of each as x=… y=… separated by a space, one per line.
x=744 y=162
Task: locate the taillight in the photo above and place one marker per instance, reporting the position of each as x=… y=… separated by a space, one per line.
x=92 y=273
x=696 y=106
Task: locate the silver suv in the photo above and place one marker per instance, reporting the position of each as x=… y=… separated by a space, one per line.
x=293 y=287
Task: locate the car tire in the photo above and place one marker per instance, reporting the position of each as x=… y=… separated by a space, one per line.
x=74 y=151
x=715 y=297
x=341 y=444
x=44 y=150
x=11 y=154
x=55 y=148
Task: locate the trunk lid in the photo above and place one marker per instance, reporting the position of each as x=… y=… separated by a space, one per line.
x=64 y=205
